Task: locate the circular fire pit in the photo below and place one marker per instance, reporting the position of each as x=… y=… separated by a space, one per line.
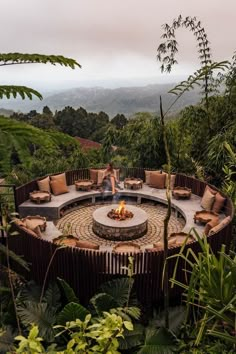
x=120 y=230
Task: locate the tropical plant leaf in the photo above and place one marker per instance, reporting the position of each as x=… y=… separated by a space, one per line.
x=132 y=338
x=30 y=292
x=67 y=292
x=161 y=341
x=23 y=91
x=6 y=340
x=22 y=58
x=176 y=318
x=119 y=289
x=18 y=259
x=41 y=315
x=103 y=302
x=71 y=312
x=52 y=296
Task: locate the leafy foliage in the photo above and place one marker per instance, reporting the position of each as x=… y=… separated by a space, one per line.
x=71 y=312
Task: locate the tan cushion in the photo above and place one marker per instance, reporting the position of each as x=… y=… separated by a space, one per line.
x=44 y=184
x=93 y=175
x=101 y=174
x=157 y=180
x=87 y=244
x=218 y=227
x=59 y=187
x=61 y=176
x=117 y=174
x=19 y=222
x=218 y=203
x=172 y=181
x=207 y=200
x=147 y=175
x=210 y=225
x=211 y=190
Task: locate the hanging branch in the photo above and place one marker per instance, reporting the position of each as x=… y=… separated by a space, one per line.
x=166 y=222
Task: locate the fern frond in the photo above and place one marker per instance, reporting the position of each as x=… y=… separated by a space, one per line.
x=21 y=58
x=23 y=91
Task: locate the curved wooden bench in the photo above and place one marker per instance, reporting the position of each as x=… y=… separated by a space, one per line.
x=85 y=270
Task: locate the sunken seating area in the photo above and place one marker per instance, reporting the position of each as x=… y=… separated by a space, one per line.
x=85 y=268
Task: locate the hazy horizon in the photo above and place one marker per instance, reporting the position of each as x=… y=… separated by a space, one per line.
x=115 y=42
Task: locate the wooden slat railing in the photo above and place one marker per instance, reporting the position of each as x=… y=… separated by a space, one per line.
x=86 y=270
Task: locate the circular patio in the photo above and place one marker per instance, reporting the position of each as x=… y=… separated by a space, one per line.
x=81 y=223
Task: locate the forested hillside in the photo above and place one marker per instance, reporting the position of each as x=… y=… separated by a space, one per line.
x=126 y=100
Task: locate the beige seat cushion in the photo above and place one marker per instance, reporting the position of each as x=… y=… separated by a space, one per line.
x=213 y=191
x=218 y=227
x=147 y=175
x=61 y=176
x=87 y=244
x=157 y=180
x=218 y=203
x=59 y=186
x=101 y=174
x=172 y=181
x=210 y=225
x=93 y=175
x=117 y=174
x=207 y=199
x=44 y=184
x=30 y=224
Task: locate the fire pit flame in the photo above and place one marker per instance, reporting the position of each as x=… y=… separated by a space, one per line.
x=121 y=213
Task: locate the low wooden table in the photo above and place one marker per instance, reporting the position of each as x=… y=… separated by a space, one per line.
x=84 y=185
x=38 y=221
x=181 y=193
x=180 y=238
x=40 y=196
x=133 y=183
x=125 y=247
x=205 y=216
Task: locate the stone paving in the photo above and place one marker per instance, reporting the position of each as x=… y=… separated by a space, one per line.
x=80 y=221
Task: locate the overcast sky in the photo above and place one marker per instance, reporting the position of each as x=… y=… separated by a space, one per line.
x=115 y=41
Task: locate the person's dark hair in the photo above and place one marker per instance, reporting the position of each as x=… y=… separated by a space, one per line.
x=110 y=166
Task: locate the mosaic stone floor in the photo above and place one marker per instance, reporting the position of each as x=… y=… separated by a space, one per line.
x=80 y=223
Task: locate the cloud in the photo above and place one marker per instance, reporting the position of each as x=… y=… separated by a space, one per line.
x=110 y=38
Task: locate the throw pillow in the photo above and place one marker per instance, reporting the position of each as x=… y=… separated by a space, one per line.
x=44 y=184
x=207 y=200
x=117 y=174
x=157 y=180
x=218 y=227
x=100 y=176
x=210 y=225
x=211 y=190
x=87 y=244
x=61 y=176
x=93 y=175
x=31 y=226
x=172 y=181
x=147 y=175
x=59 y=187
x=218 y=203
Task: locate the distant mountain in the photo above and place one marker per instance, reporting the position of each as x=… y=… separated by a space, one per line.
x=126 y=100
x=6 y=112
